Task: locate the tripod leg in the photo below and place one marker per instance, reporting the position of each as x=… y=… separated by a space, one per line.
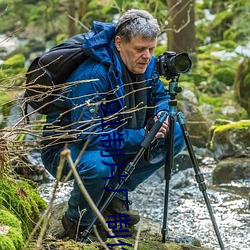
x=168 y=173
x=199 y=176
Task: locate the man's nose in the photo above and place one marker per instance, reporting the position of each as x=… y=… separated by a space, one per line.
x=146 y=54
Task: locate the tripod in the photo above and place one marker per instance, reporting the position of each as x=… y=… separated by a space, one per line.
x=173 y=90
x=129 y=168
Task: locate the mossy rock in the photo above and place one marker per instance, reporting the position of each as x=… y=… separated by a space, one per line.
x=22 y=200
x=232 y=139
x=219 y=107
x=11 y=237
x=149 y=236
x=146 y=242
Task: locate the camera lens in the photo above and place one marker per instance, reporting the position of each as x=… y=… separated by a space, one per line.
x=182 y=63
x=171 y=64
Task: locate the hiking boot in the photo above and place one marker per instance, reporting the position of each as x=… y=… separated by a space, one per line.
x=74 y=231
x=118 y=206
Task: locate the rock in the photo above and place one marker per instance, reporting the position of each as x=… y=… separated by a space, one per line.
x=148 y=233
x=197 y=125
x=181 y=179
x=231 y=169
x=232 y=139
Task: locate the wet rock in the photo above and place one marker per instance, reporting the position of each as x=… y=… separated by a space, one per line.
x=181 y=179
x=231 y=169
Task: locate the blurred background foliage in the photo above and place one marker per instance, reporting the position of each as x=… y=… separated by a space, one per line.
x=215 y=34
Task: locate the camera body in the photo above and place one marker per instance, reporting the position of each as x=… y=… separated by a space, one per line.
x=171 y=65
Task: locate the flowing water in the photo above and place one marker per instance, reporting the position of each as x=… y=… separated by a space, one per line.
x=187 y=212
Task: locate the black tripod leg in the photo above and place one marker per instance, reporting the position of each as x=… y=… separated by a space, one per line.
x=168 y=173
x=199 y=176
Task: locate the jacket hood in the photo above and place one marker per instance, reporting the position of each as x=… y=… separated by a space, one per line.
x=98 y=43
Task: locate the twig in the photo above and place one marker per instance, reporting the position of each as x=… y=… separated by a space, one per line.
x=77 y=21
x=99 y=238
x=137 y=236
x=66 y=154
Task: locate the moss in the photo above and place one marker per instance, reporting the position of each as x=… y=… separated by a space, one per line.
x=242 y=84
x=6 y=243
x=13 y=239
x=21 y=199
x=214 y=101
x=225 y=75
x=16 y=237
x=235 y=125
x=220 y=132
x=16 y=61
x=9 y=219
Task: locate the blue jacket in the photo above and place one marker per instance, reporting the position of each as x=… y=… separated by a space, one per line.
x=84 y=100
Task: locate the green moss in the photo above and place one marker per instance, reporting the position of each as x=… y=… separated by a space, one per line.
x=9 y=219
x=21 y=199
x=235 y=125
x=13 y=238
x=6 y=243
x=212 y=100
x=228 y=45
x=239 y=128
x=16 y=61
x=16 y=237
x=225 y=75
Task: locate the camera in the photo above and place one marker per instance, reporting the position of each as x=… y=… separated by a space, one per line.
x=171 y=65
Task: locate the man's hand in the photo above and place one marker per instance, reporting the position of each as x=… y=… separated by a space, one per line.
x=163 y=129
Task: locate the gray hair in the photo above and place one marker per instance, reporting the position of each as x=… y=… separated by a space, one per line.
x=137 y=22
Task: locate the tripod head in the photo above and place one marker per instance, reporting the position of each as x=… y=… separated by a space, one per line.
x=174 y=89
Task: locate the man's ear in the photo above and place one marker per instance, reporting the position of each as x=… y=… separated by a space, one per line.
x=118 y=43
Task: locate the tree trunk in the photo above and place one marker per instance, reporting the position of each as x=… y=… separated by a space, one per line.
x=71 y=6
x=83 y=7
x=181 y=27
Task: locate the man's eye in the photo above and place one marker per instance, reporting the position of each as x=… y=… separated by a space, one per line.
x=139 y=50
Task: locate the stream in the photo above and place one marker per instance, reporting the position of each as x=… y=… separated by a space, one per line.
x=187 y=212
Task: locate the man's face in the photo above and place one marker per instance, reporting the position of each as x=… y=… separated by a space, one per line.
x=137 y=53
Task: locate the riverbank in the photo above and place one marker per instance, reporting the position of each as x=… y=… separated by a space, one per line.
x=188 y=216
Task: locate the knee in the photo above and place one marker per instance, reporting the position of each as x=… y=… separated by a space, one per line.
x=94 y=166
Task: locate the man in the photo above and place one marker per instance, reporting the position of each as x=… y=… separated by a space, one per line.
x=108 y=114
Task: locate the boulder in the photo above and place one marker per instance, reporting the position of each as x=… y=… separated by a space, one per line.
x=197 y=125
x=230 y=143
x=231 y=139
x=231 y=169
